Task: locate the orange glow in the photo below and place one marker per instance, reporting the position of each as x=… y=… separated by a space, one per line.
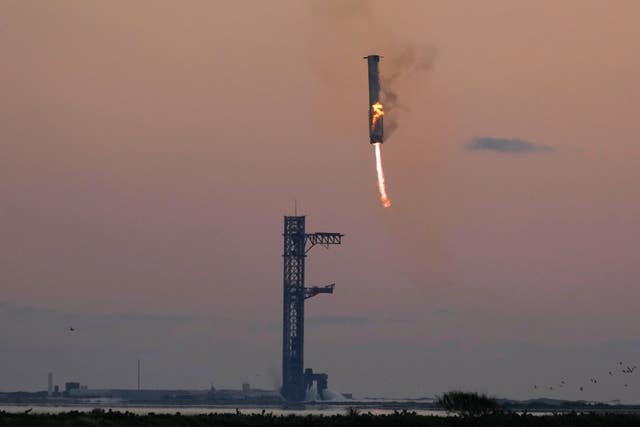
x=381 y=185
x=377 y=113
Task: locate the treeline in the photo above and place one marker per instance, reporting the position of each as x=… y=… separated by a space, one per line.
x=101 y=418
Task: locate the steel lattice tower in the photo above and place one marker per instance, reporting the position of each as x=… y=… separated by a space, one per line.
x=296 y=245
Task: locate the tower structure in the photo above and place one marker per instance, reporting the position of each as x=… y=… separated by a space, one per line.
x=297 y=243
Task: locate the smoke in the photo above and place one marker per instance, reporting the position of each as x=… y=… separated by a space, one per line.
x=273 y=376
x=343 y=31
x=332 y=395
x=401 y=65
x=340 y=33
x=311 y=394
x=347 y=10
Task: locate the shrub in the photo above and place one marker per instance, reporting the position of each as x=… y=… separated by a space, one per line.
x=352 y=411
x=467 y=404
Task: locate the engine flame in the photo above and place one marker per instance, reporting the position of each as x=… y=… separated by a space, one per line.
x=378 y=112
x=381 y=185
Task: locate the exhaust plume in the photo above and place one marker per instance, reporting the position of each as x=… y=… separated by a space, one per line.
x=386 y=202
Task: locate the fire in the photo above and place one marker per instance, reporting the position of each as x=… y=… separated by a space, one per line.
x=377 y=113
x=381 y=185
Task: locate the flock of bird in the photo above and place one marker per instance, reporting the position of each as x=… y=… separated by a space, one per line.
x=620 y=369
x=624 y=370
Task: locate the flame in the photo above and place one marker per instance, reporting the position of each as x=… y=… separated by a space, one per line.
x=377 y=111
x=381 y=186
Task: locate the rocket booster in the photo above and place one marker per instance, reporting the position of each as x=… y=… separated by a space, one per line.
x=375 y=107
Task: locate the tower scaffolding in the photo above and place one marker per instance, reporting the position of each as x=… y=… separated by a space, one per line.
x=297 y=243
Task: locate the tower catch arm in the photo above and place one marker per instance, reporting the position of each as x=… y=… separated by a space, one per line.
x=324 y=239
x=315 y=290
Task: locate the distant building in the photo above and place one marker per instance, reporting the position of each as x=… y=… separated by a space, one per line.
x=246 y=395
x=71 y=386
x=50 y=384
x=147 y=395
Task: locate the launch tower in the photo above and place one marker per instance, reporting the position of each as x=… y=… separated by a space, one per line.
x=297 y=243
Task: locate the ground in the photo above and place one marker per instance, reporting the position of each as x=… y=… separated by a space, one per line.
x=116 y=419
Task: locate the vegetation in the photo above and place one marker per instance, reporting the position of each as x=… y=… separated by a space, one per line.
x=408 y=419
x=352 y=411
x=468 y=404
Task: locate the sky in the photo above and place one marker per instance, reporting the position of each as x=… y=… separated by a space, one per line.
x=149 y=150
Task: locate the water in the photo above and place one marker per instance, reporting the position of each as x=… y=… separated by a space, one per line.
x=198 y=410
x=302 y=410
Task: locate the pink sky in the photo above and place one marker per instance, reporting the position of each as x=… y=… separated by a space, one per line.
x=148 y=151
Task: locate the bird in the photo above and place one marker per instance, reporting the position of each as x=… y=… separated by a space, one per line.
x=71 y=329
x=610 y=373
x=581 y=388
x=28 y=410
x=626 y=385
x=535 y=386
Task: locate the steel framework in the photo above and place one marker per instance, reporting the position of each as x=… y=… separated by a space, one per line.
x=296 y=245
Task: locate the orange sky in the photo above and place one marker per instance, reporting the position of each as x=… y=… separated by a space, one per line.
x=148 y=151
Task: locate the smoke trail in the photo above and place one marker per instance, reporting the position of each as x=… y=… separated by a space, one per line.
x=339 y=31
x=386 y=202
x=399 y=66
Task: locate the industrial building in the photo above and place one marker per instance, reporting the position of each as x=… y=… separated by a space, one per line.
x=213 y=395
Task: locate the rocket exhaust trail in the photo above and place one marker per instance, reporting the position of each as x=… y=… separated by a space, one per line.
x=381 y=185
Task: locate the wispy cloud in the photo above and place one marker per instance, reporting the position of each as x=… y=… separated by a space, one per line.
x=506 y=145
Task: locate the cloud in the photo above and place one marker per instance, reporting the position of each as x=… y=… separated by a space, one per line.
x=503 y=145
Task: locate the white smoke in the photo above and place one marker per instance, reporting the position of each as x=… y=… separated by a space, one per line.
x=312 y=393
x=334 y=396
